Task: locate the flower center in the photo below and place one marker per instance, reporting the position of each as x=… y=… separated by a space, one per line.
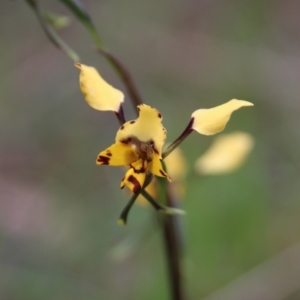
x=143 y=149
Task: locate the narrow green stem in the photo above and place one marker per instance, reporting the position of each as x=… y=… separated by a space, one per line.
x=51 y=33
x=164 y=209
x=155 y=204
x=124 y=214
x=95 y=36
x=180 y=139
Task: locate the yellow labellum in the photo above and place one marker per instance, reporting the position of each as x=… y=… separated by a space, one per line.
x=213 y=120
x=177 y=168
x=134 y=181
x=226 y=154
x=97 y=92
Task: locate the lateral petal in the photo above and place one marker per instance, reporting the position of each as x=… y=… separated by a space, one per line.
x=155 y=167
x=117 y=154
x=213 y=120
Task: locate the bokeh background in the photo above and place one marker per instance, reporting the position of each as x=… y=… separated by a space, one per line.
x=58 y=210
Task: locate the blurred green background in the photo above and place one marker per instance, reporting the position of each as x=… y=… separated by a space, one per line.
x=58 y=210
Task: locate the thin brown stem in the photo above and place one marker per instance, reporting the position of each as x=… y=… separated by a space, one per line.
x=124 y=75
x=120 y=115
x=174 y=249
x=180 y=139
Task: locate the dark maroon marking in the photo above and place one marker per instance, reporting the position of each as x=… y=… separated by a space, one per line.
x=162 y=173
x=136 y=184
x=126 y=141
x=138 y=171
x=132 y=122
x=122 y=127
x=159 y=115
x=155 y=150
x=103 y=160
x=138 y=109
x=108 y=154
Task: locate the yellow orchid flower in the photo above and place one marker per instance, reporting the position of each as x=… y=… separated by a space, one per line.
x=138 y=144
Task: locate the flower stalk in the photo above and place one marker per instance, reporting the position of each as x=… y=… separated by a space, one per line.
x=173 y=244
x=124 y=214
x=138 y=143
x=120 y=115
x=123 y=74
x=179 y=140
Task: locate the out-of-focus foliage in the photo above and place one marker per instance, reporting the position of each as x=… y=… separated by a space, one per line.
x=58 y=210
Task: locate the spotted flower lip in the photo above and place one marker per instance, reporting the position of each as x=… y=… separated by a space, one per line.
x=97 y=92
x=138 y=144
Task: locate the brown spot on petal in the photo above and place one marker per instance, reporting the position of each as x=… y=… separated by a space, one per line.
x=159 y=115
x=136 y=184
x=122 y=127
x=141 y=170
x=103 y=160
x=155 y=150
x=132 y=122
x=126 y=141
x=108 y=154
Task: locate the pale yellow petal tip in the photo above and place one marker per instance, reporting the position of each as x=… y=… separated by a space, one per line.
x=227 y=153
x=97 y=92
x=213 y=120
x=241 y=103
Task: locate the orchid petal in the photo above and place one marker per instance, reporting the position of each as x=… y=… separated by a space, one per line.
x=97 y=92
x=213 y=120
x=118 y=154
